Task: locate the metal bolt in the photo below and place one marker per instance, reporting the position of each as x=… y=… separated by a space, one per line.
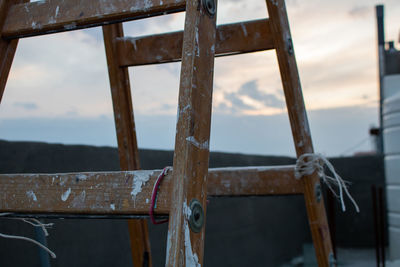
x=196 y=219
x=289 y=44
x=318 y=193
x=209 y=6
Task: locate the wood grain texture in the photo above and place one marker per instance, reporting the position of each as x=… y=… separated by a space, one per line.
x=299 y=125
x=45 y=17
x=126 y=136
x=129 y=192
x=7 y=47
x=231 y=39
x=184 y=246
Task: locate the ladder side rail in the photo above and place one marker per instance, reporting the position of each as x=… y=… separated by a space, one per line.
x=7 y=47
x=126 y=136
x=300 y=128
x=185 y=242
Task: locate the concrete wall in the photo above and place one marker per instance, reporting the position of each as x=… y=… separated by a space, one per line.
x=262 y=231
x=391 y=141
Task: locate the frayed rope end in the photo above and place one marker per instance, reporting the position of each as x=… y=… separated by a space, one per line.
x=307 y=163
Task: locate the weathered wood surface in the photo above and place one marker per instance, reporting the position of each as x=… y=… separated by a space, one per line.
x=44 y=17
x=126 y=136
x=231 y=39
x=7 y=47
x=185 y=246
x=129 y=192
x=300 y=127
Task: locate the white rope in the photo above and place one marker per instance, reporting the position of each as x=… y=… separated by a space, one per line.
x=33 y=222
x=307 y=163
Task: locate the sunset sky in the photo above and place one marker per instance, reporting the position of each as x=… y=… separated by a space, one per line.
x=58 y=89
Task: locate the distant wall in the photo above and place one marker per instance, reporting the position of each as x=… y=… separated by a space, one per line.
x=260 y=231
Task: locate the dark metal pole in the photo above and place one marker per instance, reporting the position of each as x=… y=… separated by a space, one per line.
x=43 y=255
x=376 y=224
x=381 y=60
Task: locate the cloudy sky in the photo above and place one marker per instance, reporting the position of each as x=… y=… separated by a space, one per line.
x=58 y=89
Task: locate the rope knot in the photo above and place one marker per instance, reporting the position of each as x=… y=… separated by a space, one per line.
x=308 y=163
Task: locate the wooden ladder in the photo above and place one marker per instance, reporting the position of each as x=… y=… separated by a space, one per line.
x=184 y=191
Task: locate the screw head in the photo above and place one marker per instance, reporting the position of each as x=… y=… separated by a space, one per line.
x=290 y=46
x=196 y=219
x=209 y=6
x=318 y=192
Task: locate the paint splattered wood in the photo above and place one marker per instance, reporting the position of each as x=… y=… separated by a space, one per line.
x=43 y=17
x=185 y=242
x=231 y=39
x=300 y=127
x=126 y=136
x=129 y=192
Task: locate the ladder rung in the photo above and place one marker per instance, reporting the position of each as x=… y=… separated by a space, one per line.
x=122 y=193
x=44 y=17
x=236 y=38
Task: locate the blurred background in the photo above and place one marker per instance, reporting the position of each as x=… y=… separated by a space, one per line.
x=58 y=92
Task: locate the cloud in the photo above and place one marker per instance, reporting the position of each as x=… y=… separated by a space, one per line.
x=237 y=102
x=360 y=11
x=251 y=90
x=249 y=100
x=26 y=105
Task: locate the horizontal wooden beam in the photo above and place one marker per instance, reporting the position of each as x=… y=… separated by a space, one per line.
x=43 y=17
x=231 y=39
x=129 y=192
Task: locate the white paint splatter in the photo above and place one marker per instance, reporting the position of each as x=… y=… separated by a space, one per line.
x=57 y=9
x=168 y=245
x=40 y=2
x=70 y=26
x=213 y=49
x=129 y=39
x=244 y=29
x=192 y=260
x=147 y=4
x=193 y=141
x=226 y=183
x=32 y=195
x=35 y=25
x=140 y=178
x=79 y=200
x=300 y=144
x=112 y=206
x=186 y=210
x=81 y=177
x=197 y=42
x=65 y=195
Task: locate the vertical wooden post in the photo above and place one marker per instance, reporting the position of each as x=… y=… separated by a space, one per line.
x=300 y=128
x=126 y=135
x=185 y=244
x=7 y=47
